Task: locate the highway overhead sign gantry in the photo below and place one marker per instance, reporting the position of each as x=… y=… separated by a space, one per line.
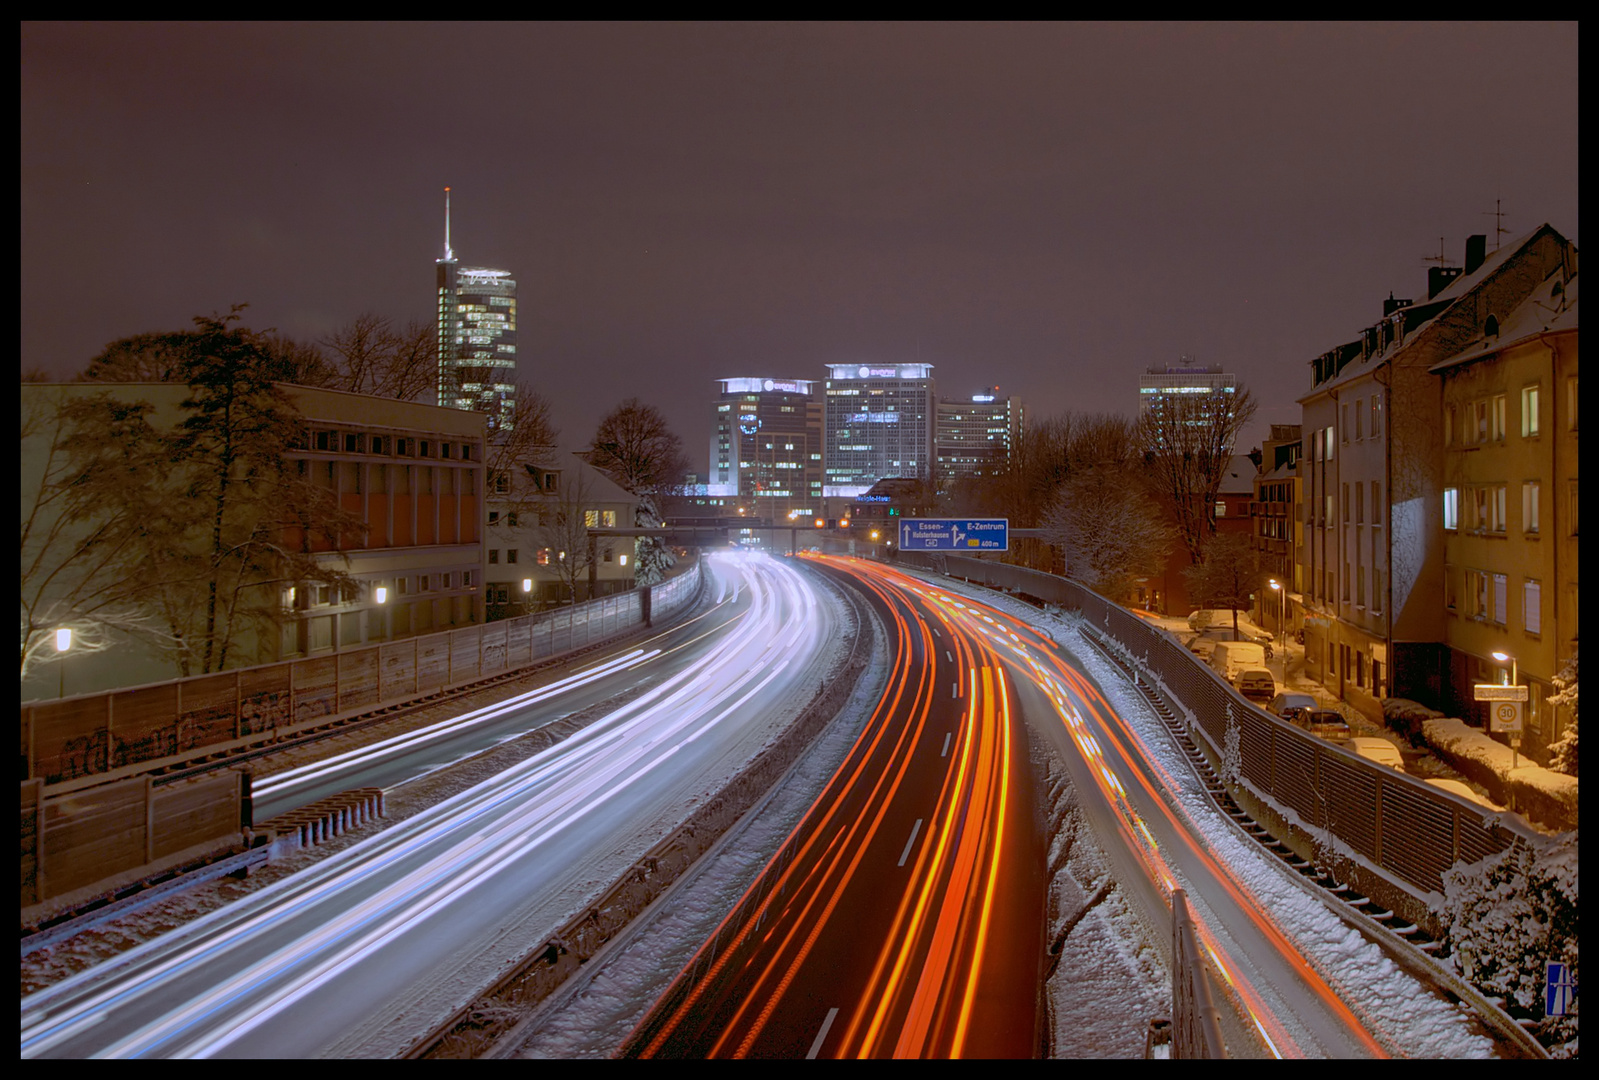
x=954 y=534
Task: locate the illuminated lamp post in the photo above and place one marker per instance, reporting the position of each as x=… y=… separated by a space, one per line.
x=381 y=595
x=63 y=643
x=1515 y=739
x=1282 y=619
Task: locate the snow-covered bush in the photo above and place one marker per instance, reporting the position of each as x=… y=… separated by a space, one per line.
x=1406 y=717
x=1232 y=753
x=1510 y=914
x=652 y=557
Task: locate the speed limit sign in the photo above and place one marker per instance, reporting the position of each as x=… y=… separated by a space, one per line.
x=1504 y=716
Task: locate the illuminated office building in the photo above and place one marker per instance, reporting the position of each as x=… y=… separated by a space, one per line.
x=877 y=423
x=477 y=336
x=975 y=437
x=766 y=446
x=1160 y=387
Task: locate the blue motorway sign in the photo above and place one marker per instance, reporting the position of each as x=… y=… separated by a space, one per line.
x=1559 y=989
x=954 y=534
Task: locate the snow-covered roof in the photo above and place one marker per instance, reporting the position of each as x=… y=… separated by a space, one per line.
x=1552 y=308
x=1240 y=476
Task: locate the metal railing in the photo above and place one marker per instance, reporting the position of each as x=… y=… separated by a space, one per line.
x=1410 y=830
x=93 y=738
x=1196 y=1024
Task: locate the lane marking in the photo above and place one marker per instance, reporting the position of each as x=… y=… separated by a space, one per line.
x=945 y=752
x=832 y=1014
x=907 y=852
x=948 y=657
x=955 y=689
x=936 y=633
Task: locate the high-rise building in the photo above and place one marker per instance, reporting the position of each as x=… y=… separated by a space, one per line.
x=1161 y=387
x=878 y=422
x=766 y=446
x=477 y=336
x=975 y=437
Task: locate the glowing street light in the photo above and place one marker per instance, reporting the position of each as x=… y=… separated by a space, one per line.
x=1282 y=619
x=63 y=643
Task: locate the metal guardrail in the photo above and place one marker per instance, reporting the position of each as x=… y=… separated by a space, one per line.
x=94 y=738
x=1410 y=830
x=1196 y=1024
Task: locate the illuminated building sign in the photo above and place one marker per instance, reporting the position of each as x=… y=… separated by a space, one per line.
x=874 y=418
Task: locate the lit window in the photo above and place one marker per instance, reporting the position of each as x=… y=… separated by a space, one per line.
x=1529 y=411
x=1499 y=411
x=1451 y=508
x=1529 y=506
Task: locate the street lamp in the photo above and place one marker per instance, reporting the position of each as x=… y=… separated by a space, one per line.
x=63 y=643
x=381 y=595
x=1515 y=738
x=1282 y=619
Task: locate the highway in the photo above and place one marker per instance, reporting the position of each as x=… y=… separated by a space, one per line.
x=363 y=951
x=846 y=948
x=904 y=915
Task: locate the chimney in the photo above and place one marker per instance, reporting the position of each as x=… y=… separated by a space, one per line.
x=1476 y=252
x=1390 y=305
x=1439 y=277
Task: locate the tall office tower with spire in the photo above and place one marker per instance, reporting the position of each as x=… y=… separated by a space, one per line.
x=477 y=336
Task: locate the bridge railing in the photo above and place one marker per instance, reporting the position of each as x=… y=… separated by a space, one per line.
x=90 y=739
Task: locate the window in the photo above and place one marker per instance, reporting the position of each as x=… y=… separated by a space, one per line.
x=544 y=557
x=1327 y=510
x=1328 y=456
x=1501 y=598
x=1449 y=588
x=1360 y=407
x=1529 y=411
x=324 y=440
x=494 y=517
x=1531 y=612
x=426 y=449
x=1497 y=520
x=352 y=444
x=402 y=447
x=1347 y=576
x=608 y=518
x=1221 y=508
x=608 y=556
x=444 y=450
x=500 y=484
x=494 y=556
x=1479 y=423
x=591 y=519
x=1360 y=586
x=1571 y=403
x=401 y=586
x=1376 y=503
x=1479 y=509
x=1477 y=595
x=1376 y=594
x=377 y=444
x=1449 y=425
x=466 y=579
x=510 y=519
x=1346 y=501
x=1499 y=418
x=510 y=555
x=1529 y=506
x=1343 y=424
x=1360 y=504
x=1376 y=417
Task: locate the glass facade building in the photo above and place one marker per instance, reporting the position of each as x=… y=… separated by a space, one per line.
x=766 y=446
x=477 y=337
x=975 y=437
x=877 y=423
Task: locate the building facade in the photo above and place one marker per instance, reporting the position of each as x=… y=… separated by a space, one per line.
x=1372 y=473
x=766 y=447
x=476 y=337
x=1278 y=532
x=1509 y=507
x=1162 y=388
x=877 y=423
x=975 y=437
x=412 y=474
x=539 y=550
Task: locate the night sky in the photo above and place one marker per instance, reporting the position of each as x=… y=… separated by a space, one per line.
x=1050 y=208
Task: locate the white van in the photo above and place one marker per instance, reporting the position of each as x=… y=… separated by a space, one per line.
x=1231 y=657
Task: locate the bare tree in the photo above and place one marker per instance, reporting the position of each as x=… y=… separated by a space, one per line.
x=526 y=445
x=373 y=356
x=564 y=530
x=1108 y=530
x=1188 y=445
x=634 y=446
x=1228 y=576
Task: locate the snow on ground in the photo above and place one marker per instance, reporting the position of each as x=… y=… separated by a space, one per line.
x=1473 y=744
x=600 y=1006
x=1406 y=1015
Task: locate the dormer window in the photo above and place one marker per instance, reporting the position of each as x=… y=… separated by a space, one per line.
x=1490 y=326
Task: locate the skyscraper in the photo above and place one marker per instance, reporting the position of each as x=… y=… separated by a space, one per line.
x=766 y=446
x=477 y=336
x=1162 y=388
x=878 y=422
x=975 y=437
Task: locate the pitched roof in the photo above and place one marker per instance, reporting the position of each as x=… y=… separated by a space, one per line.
x=1551 y=309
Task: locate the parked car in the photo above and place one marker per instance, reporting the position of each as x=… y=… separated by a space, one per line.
x=1255 y=683
x=1380 y=751
x=1283 y=702
x=1455 y=787
x=1323 y=723
x=1220 y=621
x=1231 y=657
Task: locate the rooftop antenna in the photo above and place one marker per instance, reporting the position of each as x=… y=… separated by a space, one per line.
x=449 y=256
x=1499 y=222
x=1441 y=259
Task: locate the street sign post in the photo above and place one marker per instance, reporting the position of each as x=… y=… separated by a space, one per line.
x=1504 y=716
x=954 y=534
x=1497 y=692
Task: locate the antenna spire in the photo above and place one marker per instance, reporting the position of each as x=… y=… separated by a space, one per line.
x=1498 y=214
x=449 y=256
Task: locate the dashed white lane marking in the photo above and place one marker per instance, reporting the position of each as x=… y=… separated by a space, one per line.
x=945 y=752
x=907 y=852
x=832 y=1014
x=948 y=656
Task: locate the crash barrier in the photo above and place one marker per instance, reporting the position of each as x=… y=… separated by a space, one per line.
x=1196 y=1025
x=93 y=738
x=90 y=841
x=473 y=1031
x=321 y=821
x=1326 y=803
